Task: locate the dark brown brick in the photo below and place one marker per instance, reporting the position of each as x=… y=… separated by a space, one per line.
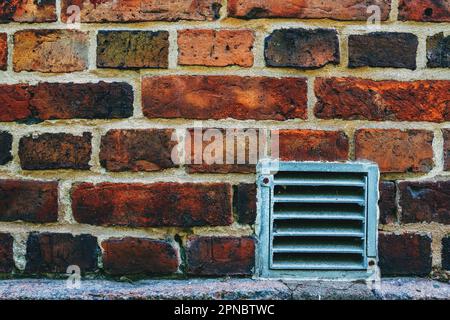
x=446 y=149
x=27 y=11
x=3 y=51
x=424 y=10
x=404 y=254
x=138 y=150
x=143 y=10
x=302 y=48
x=245 y=202
x=438 y=51
x=139 y=256
x=311 y=9
x=5 y=147
x=311 y=145
x=54 y=252
x=223 y=151
x=387 y=203
x=217 y=256
x=215 y=48
x=27 y=200
x=383 y=49
x=222 y=97
x=353 y=98
x=48 y=101
x=6 y=253
x=50 y=50
x=425 y=201
x=51 y=151
x=153 y=205
x=132 y=49
x=396 y=150
x=446 y=253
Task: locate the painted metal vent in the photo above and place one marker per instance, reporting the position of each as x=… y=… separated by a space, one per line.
x=317 y=219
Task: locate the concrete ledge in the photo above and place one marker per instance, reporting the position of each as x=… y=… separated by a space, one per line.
x=229 y=289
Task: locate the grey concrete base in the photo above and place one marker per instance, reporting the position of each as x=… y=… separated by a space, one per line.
x=211 y=289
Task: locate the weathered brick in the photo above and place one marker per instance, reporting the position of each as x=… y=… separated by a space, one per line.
x=311 y=9
x=143 y=10
x=446 y=149
x=50 y=151
x=3 y=51
x=5 y=147
x=311 y=145
x=446 y=253
x=132 y=49
x=223 y=151
x=30 y=201
x=47 y=101
x=54 y=252
x=425 y=201
x=244 y=201
x=438 y=51
x=424 y=10
x=387 y=202
x=138 y=150
x=383 y=49
x=302 y=48
x=215 y=48
x=27 y=11
x=6 y=253
x=217 y=256
x=139 y=256
x=153 y=205
x=396 y=150
x=354 y=98
x=221 y=97
x=406 y=254
x=50 y=50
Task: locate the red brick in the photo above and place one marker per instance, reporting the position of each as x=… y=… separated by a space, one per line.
x=311 y=9
x=139 y=256
x=55 y=252
x=27 y=200
x=3 y=51
x=55 y=151
x=244 y=201
x=311 y=145
x=6 y=253
x=5 y=147
x=27 y=11
x=424 y=10
x=143 y=10
x=406 y=254
x=425 y=201
x=218 y=256
x=153 y=205
x=353 y=98
x=48 y=101
x=302 y=48
x=138 y=150
x=50 y=50
x=215 y=154
x=388 y=202
x=215 y=48
x=221 y=97
x=396 y=150
x=446 y=149
x=383 y=49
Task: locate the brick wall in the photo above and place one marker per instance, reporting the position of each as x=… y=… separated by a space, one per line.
x=87 y=116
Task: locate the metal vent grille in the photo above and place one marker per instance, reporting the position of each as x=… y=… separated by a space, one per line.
x=317 y=217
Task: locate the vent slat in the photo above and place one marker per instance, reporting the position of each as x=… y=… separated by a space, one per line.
x=319 y=233
x=320 y=182
x=324 y=249
x=319 y=216
x=317 y=261
x=320 y=199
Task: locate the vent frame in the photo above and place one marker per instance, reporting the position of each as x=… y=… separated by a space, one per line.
x=266 y=181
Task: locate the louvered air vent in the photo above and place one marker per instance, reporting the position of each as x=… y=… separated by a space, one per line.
x=317 y=220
